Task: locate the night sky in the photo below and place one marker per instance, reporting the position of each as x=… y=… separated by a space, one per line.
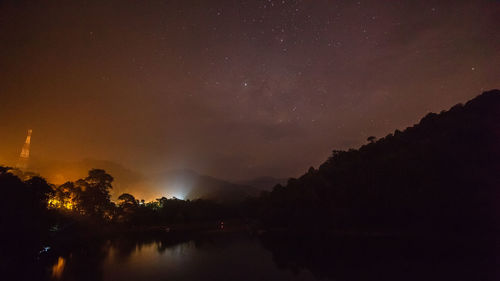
x=233 y=89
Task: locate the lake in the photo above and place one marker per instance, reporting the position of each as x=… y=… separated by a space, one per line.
x=241 y=256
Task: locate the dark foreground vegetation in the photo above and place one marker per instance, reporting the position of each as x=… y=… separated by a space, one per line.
x=40 y=216
x=439 y=177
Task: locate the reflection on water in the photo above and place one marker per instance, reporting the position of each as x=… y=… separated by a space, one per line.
x=277 y=257
x=58 y=268
x=217 y=256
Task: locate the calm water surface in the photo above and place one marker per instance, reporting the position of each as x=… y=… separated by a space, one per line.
x=213 y=257
x=223 y=256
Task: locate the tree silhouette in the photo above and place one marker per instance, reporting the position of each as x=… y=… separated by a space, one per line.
x=95 y=198
x=127 y=199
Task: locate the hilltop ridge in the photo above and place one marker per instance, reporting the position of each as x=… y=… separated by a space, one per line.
x=441 y=174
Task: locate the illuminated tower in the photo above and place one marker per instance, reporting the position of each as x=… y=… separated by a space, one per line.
x=25 y=152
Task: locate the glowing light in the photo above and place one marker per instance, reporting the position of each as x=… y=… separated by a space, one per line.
x=179 y=195
x=58 y=204
x=178 y=190
x=58 y=268
x=44 y=250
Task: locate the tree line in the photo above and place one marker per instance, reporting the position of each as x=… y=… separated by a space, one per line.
x=441 y=175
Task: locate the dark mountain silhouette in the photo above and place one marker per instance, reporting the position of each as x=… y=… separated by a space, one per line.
x=441 y=175
x=188 y=184
x=263 y=183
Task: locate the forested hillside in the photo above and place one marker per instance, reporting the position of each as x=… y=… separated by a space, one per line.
x=442 y=174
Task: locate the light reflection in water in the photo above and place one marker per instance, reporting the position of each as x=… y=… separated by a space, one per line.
x=58 y=268
x=274 y=256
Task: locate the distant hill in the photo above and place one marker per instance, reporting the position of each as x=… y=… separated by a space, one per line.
x=59 y=172
x=263 y=183
x=442 y=174
x=188 y=184
x=183 y=183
